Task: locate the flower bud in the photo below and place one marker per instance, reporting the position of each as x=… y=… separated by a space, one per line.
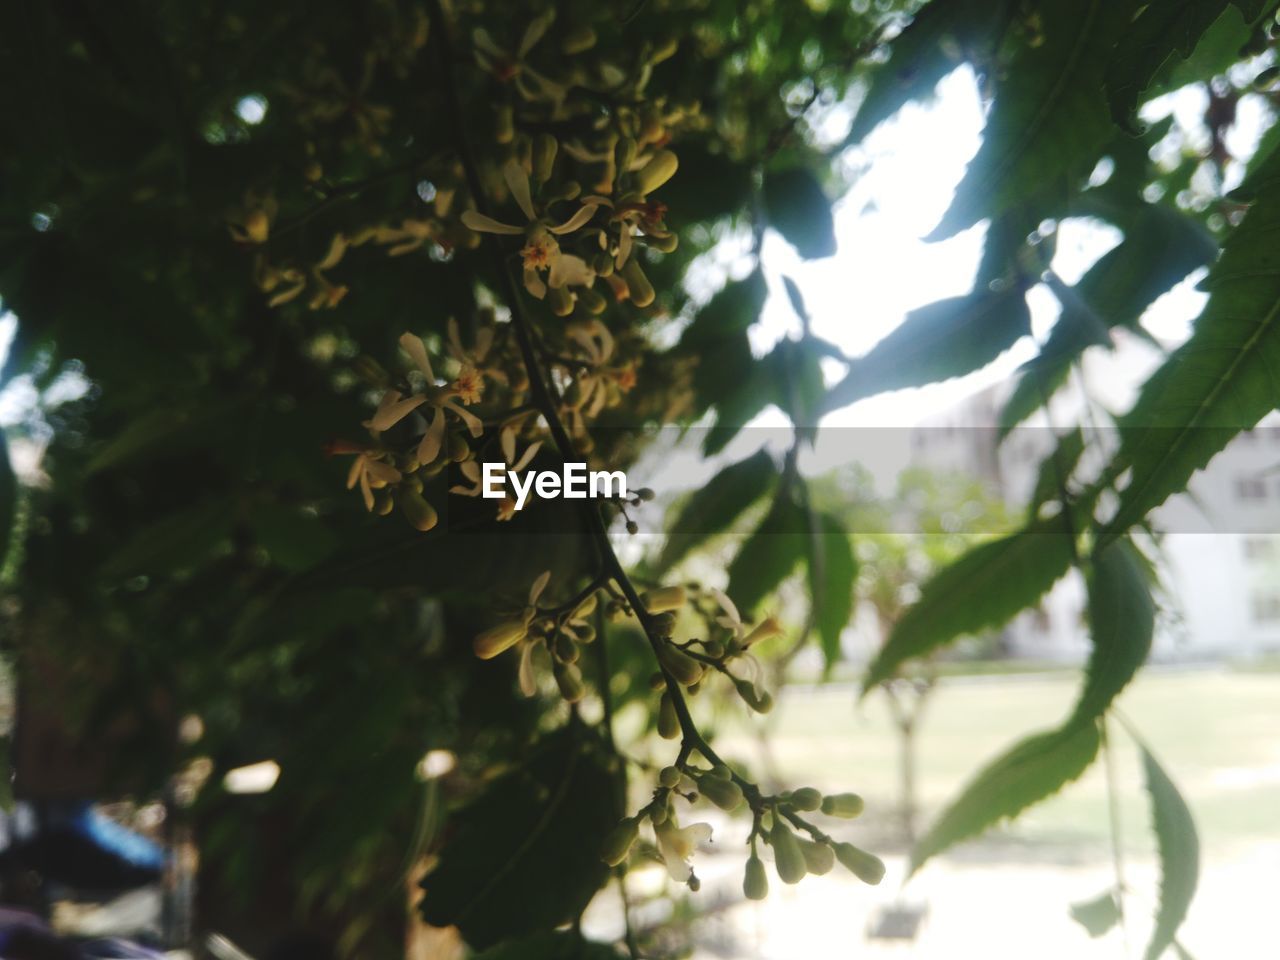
x=544 y=156
x=504 y=128
x=755 y=884
x=725 y=794
x=257 y=226
x=846 y=805
x=664 y=598
x=420 y=514
x=758 y=700
x=805 y=799
x=497 y=639
x=667 y=244
x=617 y=844
x=566 y=650
x=819 y=858
x=788 y=859
x=865 y=866
x=681 y=666
x=665 y=50
x=668 y=721
x=603 y=265
x=592 y=301
x=578 y=40
x=669 y=776
x=664 y=624
x=638 y=285
x=560 y=300
x=569 y=680
x=660 y=168
x=458 y=448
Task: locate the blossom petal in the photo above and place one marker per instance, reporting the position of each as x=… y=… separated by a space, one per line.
x=475 y=426
x=534 y=32
x=528 y=681
x=518 y=182
x=533 y=283
x=392 y=410
x=726 y=605
x=570 y=271
x=474 y=220
x=580 y=217
x=535 y=591
x=528 y=455
x=417 y=351
x=433 y=439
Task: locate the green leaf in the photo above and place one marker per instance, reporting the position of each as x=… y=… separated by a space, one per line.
x=1030 y=771
x=981 y=590
x=726 y=375
x=1098 y=915
x=1223 y=380
x=831 y=585
x=713 y=508
x=1179 y=850
x=525 y=856
x=1121 y=625
x=1048 y=121
x=1029 y=392
x=798 y=208
x=294 y=539
x=769 y=555
x=944 y=34
x=179 y=539
x=1055 y=470
x=1160 y=31
x=550 y=946
x=941 y=340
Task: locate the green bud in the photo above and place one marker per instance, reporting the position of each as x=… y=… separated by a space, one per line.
x=788 y=859
x=592 y=301
x=618 y=842
x=668 y=721
x=758 y=700
x=566 y=650
x=669 y=776
x=586 y=633
x=420 y=514
x=560 y=300
x=714 y=649
x=544 y=156
x=458 y=448
x=504 y=128
x=664 y=599
x=624 y=154
x=865 y=866
x=846 y=805
x=497 y=639
x=665 y=624
x=642 y=292
x=725 y=794
x=578 y=40
x=683 y=667
x=665 y=244
x=806 y=799
x=755 y=884
x=569 y=680
x=819 y=858
x=603 y=264
x=660 y=168
x=384 y=502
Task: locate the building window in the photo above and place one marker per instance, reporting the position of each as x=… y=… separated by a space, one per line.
x=1252 y=489
x=1259 y=548
x=1266 y=607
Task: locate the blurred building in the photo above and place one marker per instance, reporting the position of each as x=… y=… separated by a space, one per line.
x=1219 y=550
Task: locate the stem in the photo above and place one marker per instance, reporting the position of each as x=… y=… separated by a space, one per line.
x=1113 y=812
x=546 y=402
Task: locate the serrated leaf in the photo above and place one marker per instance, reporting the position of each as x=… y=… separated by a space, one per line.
x=1098 y=915
x=939 y=341
x=799 y=209
x=769 y=555
x=981 y=590
x=831 y=585
x=715 y=507
x=1048 y=121
x=941 y=36
x=1178 y=846
x=1032 y=770
x=1121 y=625
x=1156 y=34
x=1029 y=393
x=1055 y=470
x=525 y=856
x=1223 y=380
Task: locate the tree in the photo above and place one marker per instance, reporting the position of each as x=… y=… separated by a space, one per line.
x=230 y=214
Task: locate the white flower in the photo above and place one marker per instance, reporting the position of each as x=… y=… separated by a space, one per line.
x=541 y=251
x=514 y=66
x=678 y=844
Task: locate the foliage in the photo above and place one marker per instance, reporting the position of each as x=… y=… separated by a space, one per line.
x=222 y=218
